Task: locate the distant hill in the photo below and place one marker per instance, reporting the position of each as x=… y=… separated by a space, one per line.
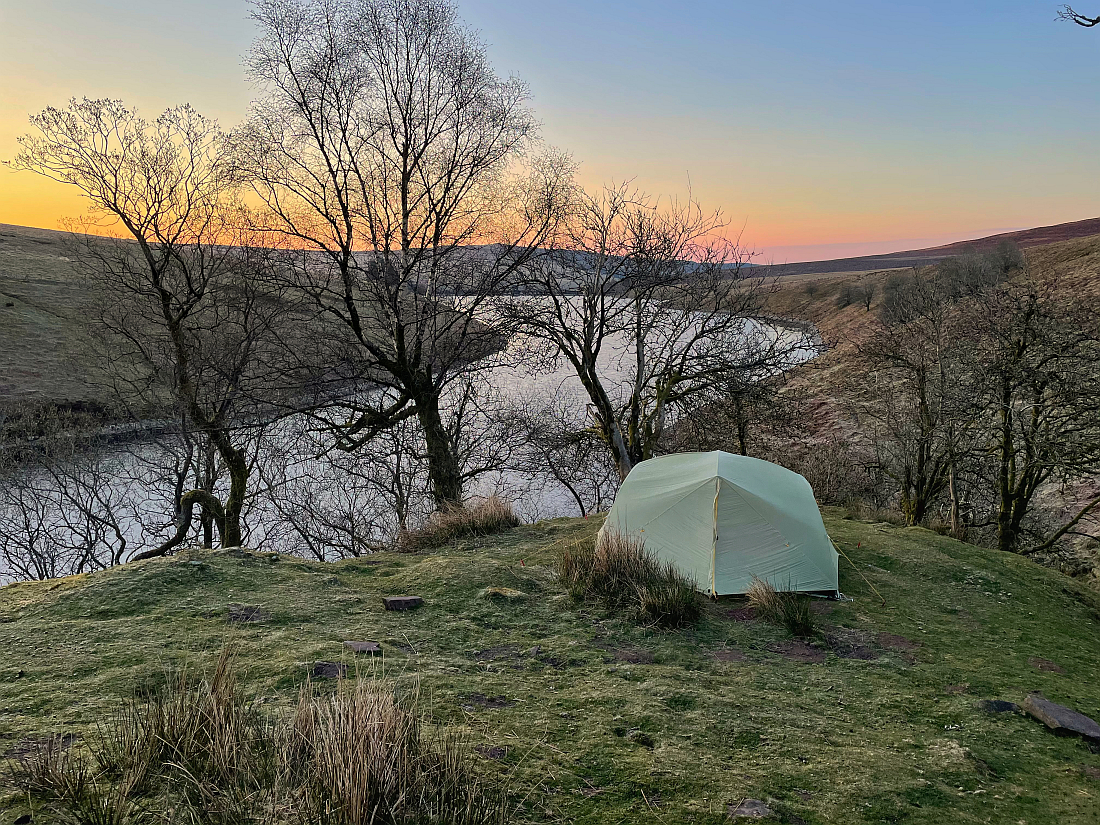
x=46 y=354
x=924 y=257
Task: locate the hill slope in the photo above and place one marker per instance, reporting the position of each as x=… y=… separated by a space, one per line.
x=1024 y=238
x=878 y=721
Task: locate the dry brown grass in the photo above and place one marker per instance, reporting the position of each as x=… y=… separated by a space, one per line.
x=782 y=607
x=200 y=752
x=483 y=517
x=619 y=571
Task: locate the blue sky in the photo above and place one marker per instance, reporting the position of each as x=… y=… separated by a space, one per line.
x=859 y=124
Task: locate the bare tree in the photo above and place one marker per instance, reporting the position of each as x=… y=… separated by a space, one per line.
x=187 y=317
x=650 y=307
x=1067 y=13
x=64 y=506
x=332 y=504
x=905 y=392
x=554 y=444
x=387 y=148
x=1038 y=374
x=744 y=414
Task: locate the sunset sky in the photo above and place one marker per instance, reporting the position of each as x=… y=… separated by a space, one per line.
x=824 y=129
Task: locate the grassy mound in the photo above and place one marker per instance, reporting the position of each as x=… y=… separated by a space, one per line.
x=589 y=717
x=475 y=519
x=618 y=571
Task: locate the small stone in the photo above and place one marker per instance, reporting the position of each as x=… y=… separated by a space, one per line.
x=371 y=648
x=750 y=809
x=328 y=670
x=402 y=602
x=1062 y=720
x=997 y=706
x=195 y=563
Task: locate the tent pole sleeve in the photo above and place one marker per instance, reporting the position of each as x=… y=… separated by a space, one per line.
x=714 y=539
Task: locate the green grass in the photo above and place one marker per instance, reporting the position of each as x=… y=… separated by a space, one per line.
x=596 y=720
x=46 y=355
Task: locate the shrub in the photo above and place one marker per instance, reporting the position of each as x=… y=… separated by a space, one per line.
x=199 y=752
x=618 y=571
x=482 y=518
x=782 y=607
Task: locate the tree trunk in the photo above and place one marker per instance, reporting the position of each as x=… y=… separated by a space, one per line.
x=444 y=469
x=953 y=488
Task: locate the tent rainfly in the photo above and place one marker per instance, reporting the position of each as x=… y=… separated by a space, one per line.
x=725 y=519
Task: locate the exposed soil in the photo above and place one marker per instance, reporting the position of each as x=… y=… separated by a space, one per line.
x=632 y=656
x=247 y=614
x=896 y=642
x=492 y=751
x=851 y=644
x=328 y=670
x=997 y=706
x=798 y=651
x=740 y=614
x=1045 y=665
x=29 y=745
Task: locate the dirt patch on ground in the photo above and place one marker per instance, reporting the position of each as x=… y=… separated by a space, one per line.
x=482 y=701
x=631 y=656
x=328 y=670
x=495 y=752
x=247 y=614
x=851 y=644
x=957 y=690
x=896 y=642
x=1045 y=665
x=798 y=651
x=740 y=614
x=30 y=745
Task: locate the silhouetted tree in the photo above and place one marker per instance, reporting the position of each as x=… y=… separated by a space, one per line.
x=1067 y=13
x=188 y=320
x=651 y=308
x=386 y=147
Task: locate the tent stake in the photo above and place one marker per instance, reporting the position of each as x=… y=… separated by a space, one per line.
x=837 y=546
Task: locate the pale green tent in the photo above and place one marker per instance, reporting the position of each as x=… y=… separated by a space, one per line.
x=724 y=519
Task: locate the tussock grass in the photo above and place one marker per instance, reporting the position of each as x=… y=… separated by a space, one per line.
x=782 y=607
x=619 y=571
x=201 y=752
x=483 y=517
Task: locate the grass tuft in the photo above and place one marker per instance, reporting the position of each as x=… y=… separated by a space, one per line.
x=620 y=572
x=481 y=518
x=200 y=752
x=782 y=607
